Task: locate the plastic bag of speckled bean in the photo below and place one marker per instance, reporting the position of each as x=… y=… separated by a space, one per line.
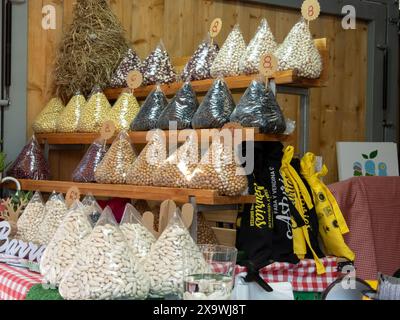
x=84 y=172
x=258 y=108
x=124 y=111
x=68 y=119
x=299 y=52
x=130 y=62
x=30 y=163
x=215 y=109
x=180 y=110
x=157 y=67
x=262 y=43
x=106 y=268
x=227 y=61
x=46 y=121
x=94 y=112
x=199 y=65
x=150 y=111
x=142 y=171
x=117 y=161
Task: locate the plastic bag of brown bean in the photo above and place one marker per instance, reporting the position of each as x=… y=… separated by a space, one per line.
x=181 y=109
x=157 y=67
x=215 y=109
x=262 y=43
x=94 y=112
x=84 y=172
x=199 y=65
x=46 y=121
x=258 y=108
x=130 y=62
x=150 y=111
x=227 y=61
x=30 y=163
x=68 y=119
x=142 y=171
x=299 y=52
x=124 y=111
x=117 y=161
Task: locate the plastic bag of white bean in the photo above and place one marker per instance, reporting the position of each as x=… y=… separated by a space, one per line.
x=299 y=52
x=130 y=62
x=227 y=61
x=92 y=208
x=68 y=119
x=262 y=43
x=46 y=121
x=167 y=264
x=106 y=268
x=65 y=245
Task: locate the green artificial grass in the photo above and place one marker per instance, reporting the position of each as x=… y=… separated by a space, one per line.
x=37 y=292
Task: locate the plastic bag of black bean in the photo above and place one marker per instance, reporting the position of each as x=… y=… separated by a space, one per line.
x=130 y=62
x=199 y=65
x=181 y=109
x=259 y=108
x=215 y=109
x=157 y=67
x=30 y=163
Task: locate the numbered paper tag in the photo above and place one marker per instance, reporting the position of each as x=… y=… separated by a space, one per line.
x=215 y=27
x=134 y=79
x=72 y=195
x=107 y=130
x=268 y=65
x=310 y=9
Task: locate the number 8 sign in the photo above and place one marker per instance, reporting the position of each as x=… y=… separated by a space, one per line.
x=268 y=65
x=310 y=9
x=215 y=27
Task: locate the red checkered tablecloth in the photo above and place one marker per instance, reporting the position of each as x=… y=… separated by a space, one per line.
x=15 y=282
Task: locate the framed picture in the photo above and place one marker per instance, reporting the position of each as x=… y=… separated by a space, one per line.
x=356 y=159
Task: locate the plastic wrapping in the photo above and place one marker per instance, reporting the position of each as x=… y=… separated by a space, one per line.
x=262 y=43
x=65 y=245
x=85 y=170
x=30 y=163
x=105 y=268
x=167 y=264
x=68 y=119
x=199 y=65
x=94 y=112
x=227 y=61
x=124 y=111
x=259 y=108
x=142 y=171
x=92 y=208
x=215 y=109
x=150 y=111
x=130 y=62
x=157 y=67
x=299 y=52
x=117 y=161
x=46 y=121
x=181 y=109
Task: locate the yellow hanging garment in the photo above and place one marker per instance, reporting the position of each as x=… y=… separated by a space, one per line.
x=296 y=189
x=332 y=224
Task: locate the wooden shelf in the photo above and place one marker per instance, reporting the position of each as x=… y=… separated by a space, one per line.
x=207 y=197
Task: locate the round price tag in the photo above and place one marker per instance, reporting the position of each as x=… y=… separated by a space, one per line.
x=72 y=195
x=107 y=130
x=215 y=27
x=268 y=65
x=134 y=79
x=310 y=9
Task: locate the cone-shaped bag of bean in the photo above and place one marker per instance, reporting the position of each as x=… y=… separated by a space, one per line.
x=142 y=171
x=215 y=109
x=30 y=163
x=105 y=269
x=65 y=245
x=258 y=108
x=227 y=61
x=181 y=109
x=177 y=170
x=167 y=263
x=30 y=220
x=85 y=170
x=262 y=43
x=55 y=210
x=199 y=65
x=124 y=111
x=139 y=238
x=299 y=52
x=92 y=208
x=130 y=62
x=157 y=67
x=117 y=161
x=219 y=170
x=150 y=111
x=94 y=112
x=46 y=121
x=68 y=119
